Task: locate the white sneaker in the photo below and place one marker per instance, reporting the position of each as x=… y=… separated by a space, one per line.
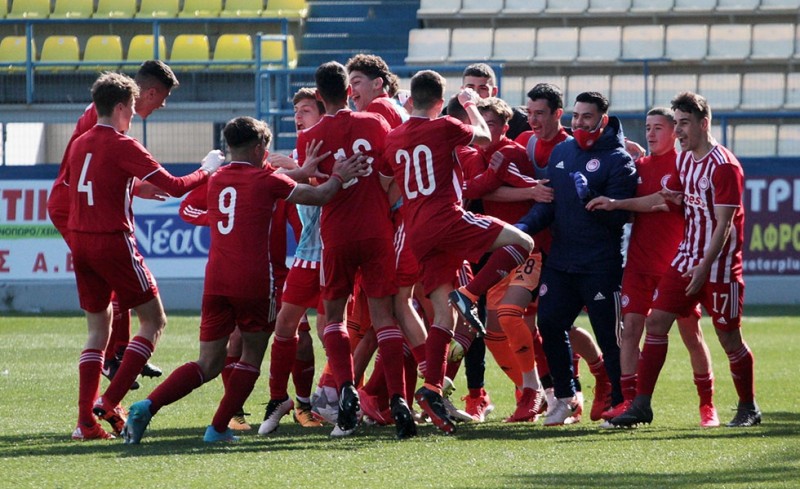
x=550 y=399
x=276 y=410
x=456 y=414
x=576 y=418
x=564 y=412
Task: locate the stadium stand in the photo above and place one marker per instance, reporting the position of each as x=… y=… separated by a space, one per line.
x=157 y=9
x=428 y=46
x=115 y=9
x=599 y=43
x=643 y=41
x=29 y=9
x=189 y=48
x=789 y=140
x=433 y=8
x=755 y=140
x=12 y=50
x=556 y=44
x=242 y=8
x=102 y=53
x=514 y=8
x=772 y=41
x=480 y=7
x=514 y=44
x=471 y=44
x=73 y=9
x=567 y=7
x=272 y=52
x=141 y=48
x=288 y=9
x=609 y=6
x=200 y=8
x=234 y=47
x=729 y=41
x=763 y=91
x=60 y=49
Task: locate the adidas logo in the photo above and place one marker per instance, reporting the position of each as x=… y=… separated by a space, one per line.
x=560 y=165
x=722 y=321
x=518 y=277
x=599 y=297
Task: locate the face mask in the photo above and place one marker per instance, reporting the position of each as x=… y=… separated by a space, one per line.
x=586 y=139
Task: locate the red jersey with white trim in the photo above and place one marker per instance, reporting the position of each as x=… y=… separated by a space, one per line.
x=421 y=153
x=655 y=235
x=102 y=165
x=360 y=210
x=241 y=203
x=716 y=179
x=383 y=105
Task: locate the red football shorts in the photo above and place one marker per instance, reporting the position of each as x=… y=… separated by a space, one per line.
x=302 y=285
x=106 y=262
x=373 y=257
x=638 y=290
x=724 y=302
x=406 y=263
x=220 y=315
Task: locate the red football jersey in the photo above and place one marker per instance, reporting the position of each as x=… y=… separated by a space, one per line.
x=360 y=210
x=655 y=235
x=384 y=106
x=241 y=203
x=421 y=155
x=716 y=179
x=102 y=165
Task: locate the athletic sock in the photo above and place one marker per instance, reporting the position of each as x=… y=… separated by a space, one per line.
x=282 y=360
x=410 y=373
x=227 y=370
x=497 y=344
x=419 y=356
x=136 y=356
x=303 y=377
x=340 y=359
x=451 y=369
x=512 y=321
x=500 y=262
x=90 y=365
x=705 y=387
x=742 y=365
x=628 y=385
x=390 y=346
x=654 y=354
x=436 y=347
x=178 y=385
x=598 y=369
x=241 y=384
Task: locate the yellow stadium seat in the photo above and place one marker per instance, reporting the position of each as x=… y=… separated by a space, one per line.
x=234 y=47
x=161 y=9
x=115 y=9
x=61 y=49
x=272 y=52
x=242 y=8
x=189 y=47
x=12 y=50
x=141 y=48
x=29 y=9
x=73 y=9
x=201 y=8
x=104 y=53
x=286 y=9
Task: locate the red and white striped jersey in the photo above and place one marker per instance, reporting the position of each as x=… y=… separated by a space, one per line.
x=716 y=179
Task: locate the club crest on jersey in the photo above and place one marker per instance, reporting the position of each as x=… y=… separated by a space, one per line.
x=664 y=181
x=703 y=184
x=592 y=165
x=542 y=290
x=655 y=295
x=625 y=300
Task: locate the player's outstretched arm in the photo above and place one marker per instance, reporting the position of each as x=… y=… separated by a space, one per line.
x=146 y=190
x=468 y=99
x=647 y=203
x=344 y=170
x=310 y=168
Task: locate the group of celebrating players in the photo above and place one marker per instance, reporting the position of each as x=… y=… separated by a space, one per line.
x=393 y=260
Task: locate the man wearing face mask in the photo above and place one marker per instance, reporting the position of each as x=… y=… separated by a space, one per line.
x=584 y=268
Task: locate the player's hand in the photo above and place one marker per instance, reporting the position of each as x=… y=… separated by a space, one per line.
x=352 y=167
x=146 y=190
x=671 y=196
x=581 y=184
x=496 y=161
x=634 y=149
x=282 y=161
x=313 y=159
x=541 y=192
x=468 y=95
x=212 y=161
x=601 y=203
x=698 y=276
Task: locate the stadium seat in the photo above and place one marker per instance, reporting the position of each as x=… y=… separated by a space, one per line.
x=428 y=45
x=792 y=91
x=789 y=140
x=157 y=9
x=189 y=47
x=586 y=83
x=514 y=8
x=667 y=86
x=234 y=47
x=642 y=41
x=286 y=9
x=652 y=5
x=600 y=43
x=686 y=42
x=609 y=6
x=470 y=44
x=737 y=5
x=763 y=91
x=115 y=9
x=723 y=90
x=716 y=133
x=627 y=93
x=60 y=49
x=773 y=41
x=434 y=8
x=481 y=7
x=514 y=44
x=272 y=52
x=788 y=5
x=242 y=8
x=73 y=9
x=755 y=140
x=556 y=44
x=29 y=9
x=566 y=6
x=200 y=8
x=104 y=53
x=12 y=50
x=694 y=5
x=141 y=48
x=729 y=41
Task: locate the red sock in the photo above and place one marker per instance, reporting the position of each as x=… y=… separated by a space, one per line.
x=228 y=369
x=337 y=346
x=120 y=328
x=705 y=387
x=542 y=367
x=327 y=380
x=628 y=385
x=497 y=267
x=598 y=369
x=419 y=356
x=241 y=384
x=410 y=371
x=742 y=364
x=654 y=354
x=136 y=355
x=303 y=377
x=436 y=347
x=90 y=364
x=284 y=351
x=178 y=385
x=390 y=346
x=497 y=344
